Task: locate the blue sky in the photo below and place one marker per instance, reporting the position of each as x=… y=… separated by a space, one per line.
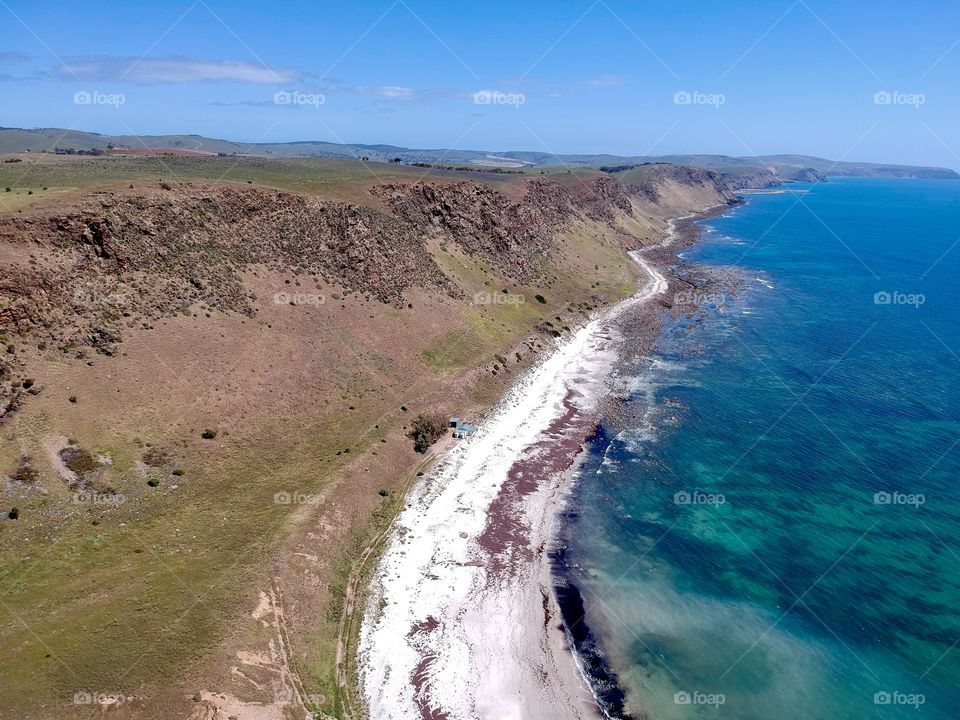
x=738 y=78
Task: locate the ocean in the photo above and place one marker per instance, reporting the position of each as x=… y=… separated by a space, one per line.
x=780 y=535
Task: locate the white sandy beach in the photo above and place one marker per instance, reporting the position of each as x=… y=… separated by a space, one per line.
x=461 y=620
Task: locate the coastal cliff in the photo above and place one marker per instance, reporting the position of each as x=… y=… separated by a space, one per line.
x=224 y=374
x=137 y=255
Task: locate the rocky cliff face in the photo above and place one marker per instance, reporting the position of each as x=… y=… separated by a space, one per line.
x=481 y=221
x=517 y=237
x=651 y=179
x=806 y=175
x=753 y=180
x=76 y=279
x=650 y=182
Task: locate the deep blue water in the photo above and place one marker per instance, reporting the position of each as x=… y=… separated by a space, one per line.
x=783 y=530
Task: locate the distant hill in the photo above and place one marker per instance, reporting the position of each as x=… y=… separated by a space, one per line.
x=784 y=167
x=787 y=165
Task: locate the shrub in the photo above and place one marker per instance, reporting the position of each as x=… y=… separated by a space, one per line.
x=78 y=460
x=153 y=482
x=155 y=457
x=208 y=434
x=25 y=472
x=425 y=430
x=72 y=398
x=14 y=513
x=541 y=299
x=178 y=472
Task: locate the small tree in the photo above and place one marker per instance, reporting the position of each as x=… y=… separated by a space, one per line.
x=425 y=430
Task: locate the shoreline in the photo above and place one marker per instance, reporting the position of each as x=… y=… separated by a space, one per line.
x=592 y=663
x=463 y=616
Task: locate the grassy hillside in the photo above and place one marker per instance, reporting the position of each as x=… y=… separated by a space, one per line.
x=214 y=365
x=41 y=175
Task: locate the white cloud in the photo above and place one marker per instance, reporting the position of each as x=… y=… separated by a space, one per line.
x=174 y=70
x=8 y=57
x=606 y=81
x=391 y=91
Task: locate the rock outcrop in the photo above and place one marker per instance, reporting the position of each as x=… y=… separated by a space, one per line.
x=806 y=175
x=754 y=180
x=651 y=181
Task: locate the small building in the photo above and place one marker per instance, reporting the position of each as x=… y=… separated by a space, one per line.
x=461 y=428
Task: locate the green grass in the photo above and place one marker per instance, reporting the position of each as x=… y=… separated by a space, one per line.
x=113 y=608
x=344 y=179
x=488 y=328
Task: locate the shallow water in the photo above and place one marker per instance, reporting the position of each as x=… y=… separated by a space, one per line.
x=786 y=540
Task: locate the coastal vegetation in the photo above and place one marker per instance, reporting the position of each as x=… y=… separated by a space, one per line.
x=425 y=430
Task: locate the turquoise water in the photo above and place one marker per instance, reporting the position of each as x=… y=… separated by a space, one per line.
x=781 y=537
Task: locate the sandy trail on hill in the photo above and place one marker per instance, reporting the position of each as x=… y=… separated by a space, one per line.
x=461 y=620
